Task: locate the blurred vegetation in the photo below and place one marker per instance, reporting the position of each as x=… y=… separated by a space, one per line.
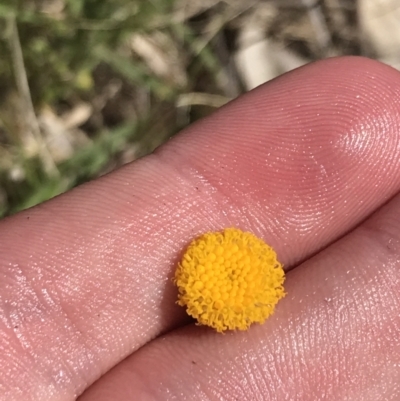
x=91 y=57
x=88 y=85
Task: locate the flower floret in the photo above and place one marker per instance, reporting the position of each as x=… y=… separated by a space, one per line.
x=229 y=280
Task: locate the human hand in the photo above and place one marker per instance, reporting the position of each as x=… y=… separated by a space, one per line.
x=85 y=279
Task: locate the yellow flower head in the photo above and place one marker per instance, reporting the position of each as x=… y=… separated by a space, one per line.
x=229 y=279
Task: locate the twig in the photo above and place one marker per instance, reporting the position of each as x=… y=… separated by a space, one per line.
x=33 y=133
x=319 y=25
x=203 y=99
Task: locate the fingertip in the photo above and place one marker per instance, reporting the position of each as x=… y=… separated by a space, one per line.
x=298 y=151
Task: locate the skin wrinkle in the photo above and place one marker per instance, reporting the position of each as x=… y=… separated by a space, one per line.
x=12 y=354
x=349 y=340
x=256 y=371
x=101 y=303
x=224 y=390
x=151 y=393
x=25 y=327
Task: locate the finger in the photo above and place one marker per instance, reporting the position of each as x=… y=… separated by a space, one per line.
x=336 y=336
x=86 y=280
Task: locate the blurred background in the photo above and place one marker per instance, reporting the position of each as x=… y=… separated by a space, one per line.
x=89 y=85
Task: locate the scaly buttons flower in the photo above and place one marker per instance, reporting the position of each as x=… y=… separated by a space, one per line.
x=229 y=279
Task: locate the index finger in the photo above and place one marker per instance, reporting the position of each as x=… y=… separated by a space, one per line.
x=85 y=278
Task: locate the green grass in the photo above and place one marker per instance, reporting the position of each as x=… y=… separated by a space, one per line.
x=74 y=55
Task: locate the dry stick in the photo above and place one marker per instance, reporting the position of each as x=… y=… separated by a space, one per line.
x=319 y=25
x=31 y=123
x=203 y=99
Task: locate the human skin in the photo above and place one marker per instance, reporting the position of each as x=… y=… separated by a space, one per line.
x=310 y=163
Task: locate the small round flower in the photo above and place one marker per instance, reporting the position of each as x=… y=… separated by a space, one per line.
x=229 y=279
